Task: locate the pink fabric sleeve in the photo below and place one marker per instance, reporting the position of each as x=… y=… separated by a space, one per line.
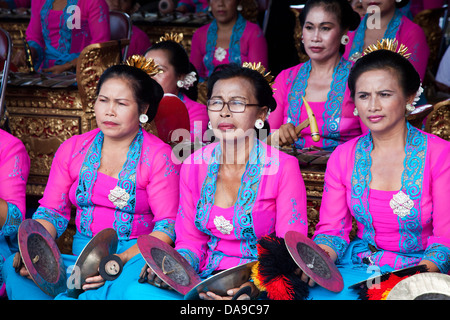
x=413 y=37
x=139 y=42
x=56 y=194
x=191 y=242
x=280 y=91
x=34 y=29
x=98 y=13
x=15 y=167
x=198 y=50
x=255 y=45
x=335 y=216
x=291 y=200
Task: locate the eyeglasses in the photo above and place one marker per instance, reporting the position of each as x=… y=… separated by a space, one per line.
x=235 y=106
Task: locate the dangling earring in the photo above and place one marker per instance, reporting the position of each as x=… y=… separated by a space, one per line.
x=239 y=7
x=143 y=118
x=355 y=112
x=209 y=125
x=259 y=124
x=345 y=39
x=410 y=107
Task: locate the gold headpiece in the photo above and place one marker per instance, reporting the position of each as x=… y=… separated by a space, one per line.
x=141 y=62
x=260 y=68
x=176 y=37
x=388 y=44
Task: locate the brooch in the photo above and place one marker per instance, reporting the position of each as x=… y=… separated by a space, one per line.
x=223 y=225
x=220 y=54
x=119 y=197
x=401 y=204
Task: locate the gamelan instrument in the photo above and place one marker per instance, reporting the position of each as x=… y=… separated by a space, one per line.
x=41 y=257
x=97 y=257
x=311 y=121
x=176 y=271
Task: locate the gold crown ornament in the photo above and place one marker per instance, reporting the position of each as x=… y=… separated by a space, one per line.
x=260 y=68
x=389 y=44
x=176 y=37
x=147 y=65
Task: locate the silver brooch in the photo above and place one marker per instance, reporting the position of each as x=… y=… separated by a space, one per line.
x=401 y=204
x=220 y=54
x=223 y=225
x=119 y=197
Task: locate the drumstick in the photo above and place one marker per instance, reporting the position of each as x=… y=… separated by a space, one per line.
x=313 y=123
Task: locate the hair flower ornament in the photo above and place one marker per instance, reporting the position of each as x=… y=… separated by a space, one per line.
x=418 y=94
x=141 y=62
x=188 y=81
x=260 y=68
x=175 y=37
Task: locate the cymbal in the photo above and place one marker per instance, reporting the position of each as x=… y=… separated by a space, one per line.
x=314 y=261
x=168 y=264
x=41 y=257
x=102 y=245
x=221 y=282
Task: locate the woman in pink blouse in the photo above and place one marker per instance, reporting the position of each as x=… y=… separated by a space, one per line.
x=59 y=30
x=322 y=80
x=14 y=170
x=180 y=78
x=117 y=176
x=234 y=191
x=228 y=39
x=392 y=180
x=387 y=22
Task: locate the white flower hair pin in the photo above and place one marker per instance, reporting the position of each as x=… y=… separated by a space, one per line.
x=418 y=94
x=188 y=81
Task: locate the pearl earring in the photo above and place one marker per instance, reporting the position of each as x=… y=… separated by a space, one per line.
x=209 y=125
x=143 y=118
x=355 y=112
x=239 y=7
x=259 y=124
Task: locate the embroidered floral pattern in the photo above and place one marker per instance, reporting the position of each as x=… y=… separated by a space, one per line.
x=12 y=222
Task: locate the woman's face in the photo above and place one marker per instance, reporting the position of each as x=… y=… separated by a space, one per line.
x=224 y=10
x=321 y=34
x=380 y=100
x=116 y=109
x=385 y=6
x=235 y=126
x=168 y=78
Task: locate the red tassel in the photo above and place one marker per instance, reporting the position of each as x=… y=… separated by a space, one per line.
x=280 y=288
x=380 y=291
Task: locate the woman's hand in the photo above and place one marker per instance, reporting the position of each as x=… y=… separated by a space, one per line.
x=231 y=292
x=304 y=277
x=147 y=275
x=19 y=266
x=287 y=135
x=93 y=283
